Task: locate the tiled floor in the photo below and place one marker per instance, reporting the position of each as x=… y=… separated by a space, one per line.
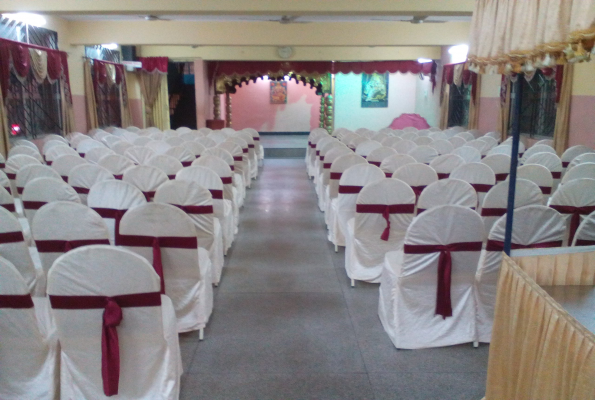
x=284 y=141
x=286 y=324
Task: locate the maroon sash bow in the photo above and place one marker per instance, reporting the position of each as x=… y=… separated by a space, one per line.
x=388 y=174
x=156 y=242
x=196 y=210
x=565 y=164
x=171 y=177
x=81 y=190
x=317 y=153
x=443 y=301
x=335 y=175
x=11 y=237
x=20 y=189
x=575 y=220
x=312 y=145
x=245 y=151
x=256 y=138
x=237 y=158
x=9 y=207
x=186 y=163
x=376 y=163
x=326 y=165
x=116 y=215
x=112 y=316
x=227 y=180
x=417 y=190
x=33 y=205
x=118 y=177
x=443 y=175
x=216 y=194
x=322 y=159
x=348 y=189
x=16 y=301
x=49 y=163
x=64 y=246
x=545 y=189
x=496 y=245
x=556 y=174
x=250 y=146
x=481 y=187
x=149 y=195
x=501 y=177
x=493 y=212
x=385 y=210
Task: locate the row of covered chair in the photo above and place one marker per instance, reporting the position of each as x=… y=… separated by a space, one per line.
x=94 y=229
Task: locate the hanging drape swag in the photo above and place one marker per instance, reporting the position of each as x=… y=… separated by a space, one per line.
x=154 y=64
x=151 y=81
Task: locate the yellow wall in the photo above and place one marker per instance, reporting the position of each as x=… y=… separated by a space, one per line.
x=583 y=83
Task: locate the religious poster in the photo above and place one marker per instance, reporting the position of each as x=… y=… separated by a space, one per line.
x=278 y=92
x=375 y=90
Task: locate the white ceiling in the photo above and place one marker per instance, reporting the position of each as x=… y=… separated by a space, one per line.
x=275 y=18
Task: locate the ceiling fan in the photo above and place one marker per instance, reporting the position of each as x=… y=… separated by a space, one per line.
x=154 y=18
x=421 y=20
x=288 y=19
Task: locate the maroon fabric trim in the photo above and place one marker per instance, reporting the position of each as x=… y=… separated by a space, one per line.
x=216 y=194
x=227 y=180
x=232 y=167
x=9 y=207
x=112 y=316
x=195 y=210
x=557 y=175
x=81 y=190
x=496 y=245
x=149 y=195
x=64 y=178
x=322 y=158
x=119 y=176
x=388 y=174
x=82 y=155
x=11 y=237
x=16 y=301
x=443 y=300
x=250 y=146
x=20 y=189
x=186 y=163
x=33 y=205
x=501 y=177
x=49 y=163
x=545 y=189
x=380 y=208
x=171 y=177
x=11 y=175
x=114 y=214
x=584 y=242
x=565 y=164
x=256 y=138
x=575 y=220
x=312 y=146
x=326 y=165
x=8 y=189
x=237 y=158
x=245 y=150
x=336 y=175
x=317 y=152
x=63 y=246
x=376 y=163
x=417 y=190
x=481 y=187
x=347 y=189
x=2 y=165
x=174 y=242
x=493 y=212
x=443 y=175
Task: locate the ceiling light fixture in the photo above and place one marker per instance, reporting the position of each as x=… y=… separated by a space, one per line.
x=458 y=53
x=27 y=18
x=110 y=46
x=424 y=60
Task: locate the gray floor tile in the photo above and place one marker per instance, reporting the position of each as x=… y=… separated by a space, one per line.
x=249 y=386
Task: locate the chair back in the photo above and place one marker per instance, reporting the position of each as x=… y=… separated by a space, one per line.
x=182 y=154
x=447 y=192
x=116 y=164
x=423 y=154
x=445 y=164
x=30 y=172
x=139 y=154
x=64 y=164
x=40 y=191
x=13 y=247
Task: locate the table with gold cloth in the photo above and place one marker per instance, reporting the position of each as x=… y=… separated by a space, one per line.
x=538 y=349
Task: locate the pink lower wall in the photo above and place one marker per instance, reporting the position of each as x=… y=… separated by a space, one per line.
x=80 y=114
x=581 y=129
x=489 y=108
x=251 y=108
x=136 y=110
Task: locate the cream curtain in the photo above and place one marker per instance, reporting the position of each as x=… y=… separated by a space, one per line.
x=39 y=64
x=4 y=131
x=126 y=115
x=504 y=109
x=150 y=85
x=160 y=109
x=67 y=108
x=90 y=103
x=563 y=111
x=510 y=33
x=474 y=105
x=538 y=351
x=444 y=106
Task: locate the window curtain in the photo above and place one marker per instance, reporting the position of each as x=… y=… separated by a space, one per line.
x=507 y=35
x=538 y=351
x=563 y=108
x=460 y=75
x=160 y=110
x=4 y=131
x=445 y=95
x=504 y=113
x=90 y=103
x=152 y=75
x=474 y=104
x=124 y=103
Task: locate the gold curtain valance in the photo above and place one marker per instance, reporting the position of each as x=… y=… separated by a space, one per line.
x=228 y=83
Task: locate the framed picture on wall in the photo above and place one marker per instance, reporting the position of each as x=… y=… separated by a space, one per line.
x=375 y=90
x=278 y=92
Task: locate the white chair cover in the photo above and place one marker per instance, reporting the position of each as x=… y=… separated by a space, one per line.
x=217 y=136
x=7 y=201
x=343 y=207
x=364 y=148
x=197 y=203
x=149 y=355
x=252 y=154
x=222 y=169
x=337 y=167
x=390 y=164
x=139 y=155
x=195 y=148
x=241 y=166
x=29 y=351
x=500 y=164
x=437 y=135
x=141 y=141
x=445 y=164
x=111 y=199
x=447 y=191
x=551 y=161
x=329 y=158
x=313 y=139
x=468 y=153
x=14 y=248
x=574 y=200
x=572 y=152
x=168 y=164
x=423 y=154
x=478 y=175
x=494 y=135
x=185 y=268
x=384 y=211
x=412 y=311
x=111 y=140
x=53 y=137
x=133 y=129
x=465 y=135
x=158 y=146
x=442 y=146
x=409 y=135
x=417 y=176
x=25 y=150
x=457 y=142
x=404 y=146
x=209 y=179
x=206 y=142
x=121 y=147
x=495 y=201
x=146 y=178
x=41 y=191
x=174 y=141
x=64 y=164
x=585 y=170
x=490 y=141
x=539 y=175
x=391 y=141
x=84 y=176
x=182 y=154
x=94 y=155
x=87 y=145
x=536 y=148
x=52 y=143
x=30 y=172
x=377 y=156
x=533 y=226
x=157 y=135
x=116 y=164
x=585 y=234
x=422 y=140
x=583 y=158
x=13 y=165
x=189 y=135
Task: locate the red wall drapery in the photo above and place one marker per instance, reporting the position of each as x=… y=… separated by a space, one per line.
x=154 y=64
x=100 y=72
x=19 y=54
x=469 y=77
